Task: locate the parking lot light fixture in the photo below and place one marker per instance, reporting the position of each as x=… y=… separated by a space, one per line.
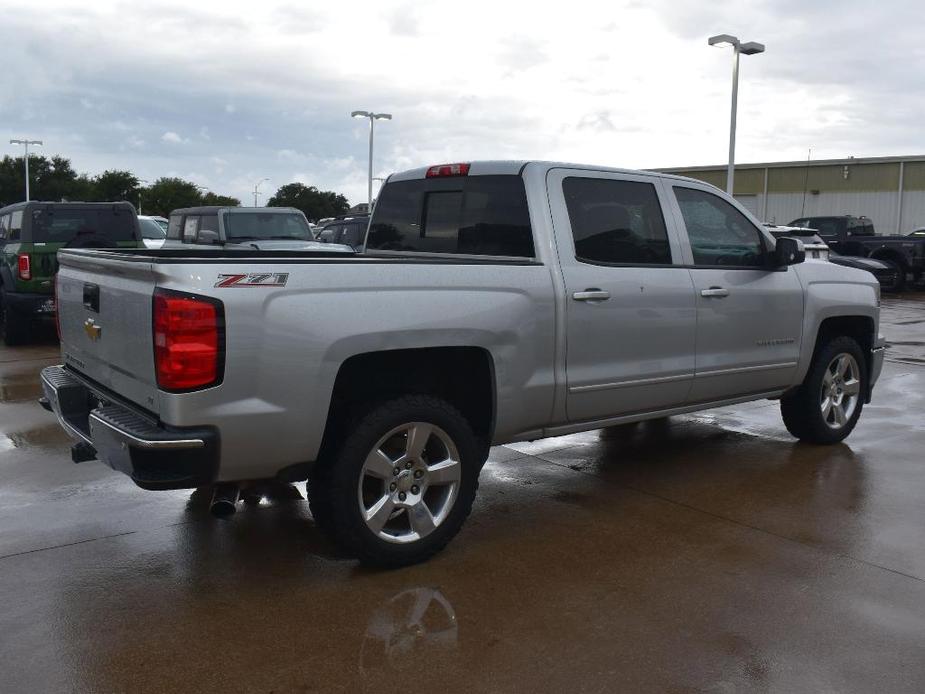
x=25 y=143
x=257 y=192
x=748 y=48
x=373 y=117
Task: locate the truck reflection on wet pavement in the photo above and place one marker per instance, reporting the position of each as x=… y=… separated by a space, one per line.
x=705 y=552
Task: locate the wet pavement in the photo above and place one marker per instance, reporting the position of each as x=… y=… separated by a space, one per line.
x=702 y=553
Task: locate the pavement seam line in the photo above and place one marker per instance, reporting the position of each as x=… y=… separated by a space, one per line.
x=67 y=544
x=740 y=524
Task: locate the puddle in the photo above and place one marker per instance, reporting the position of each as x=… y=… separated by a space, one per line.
x=42 y=437
x=19 y=392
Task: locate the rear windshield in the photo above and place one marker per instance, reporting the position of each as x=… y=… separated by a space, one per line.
x=64 y=225
x=473 y=215
x=257 y=226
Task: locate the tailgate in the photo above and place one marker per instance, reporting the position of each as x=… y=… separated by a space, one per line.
x=104 y=309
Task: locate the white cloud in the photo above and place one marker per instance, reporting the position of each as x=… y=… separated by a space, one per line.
x=624 y=83
x=171 y=137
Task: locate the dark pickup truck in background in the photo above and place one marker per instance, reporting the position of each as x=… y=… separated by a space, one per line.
x=855 y=236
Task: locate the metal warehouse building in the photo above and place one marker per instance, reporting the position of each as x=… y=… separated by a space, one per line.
x=888 y=190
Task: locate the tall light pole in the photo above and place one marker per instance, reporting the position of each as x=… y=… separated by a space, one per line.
x=140 y=180
x=256 y=192
x=26 y=144
x=749 y=48
x=373 y=117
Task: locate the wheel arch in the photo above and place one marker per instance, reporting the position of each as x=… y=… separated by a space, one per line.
x=464 y=376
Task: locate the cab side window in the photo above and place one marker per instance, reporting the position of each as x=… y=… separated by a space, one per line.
x=4 y=228
x=719 y=234
x=174 y=227
x=15 y=225
x=190 y=229
x=207 y=222
x=616 y=222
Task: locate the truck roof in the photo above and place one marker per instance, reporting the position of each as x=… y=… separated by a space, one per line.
x=510 y=167
x=66 y=204
x=214 y=209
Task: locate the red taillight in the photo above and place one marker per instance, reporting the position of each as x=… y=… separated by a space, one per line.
x=188 y=341
x=25 y=267
x=448 y=170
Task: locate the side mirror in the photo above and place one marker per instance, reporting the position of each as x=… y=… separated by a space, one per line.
x=207 y=236
x=788 y=251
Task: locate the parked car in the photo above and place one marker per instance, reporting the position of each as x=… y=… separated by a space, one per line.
x=31 y=233
x=917 y=232
x=347 y=230
x=152 y=232
x=816 y=249
x=854 y=236
x=240 y=228
x=495 y=302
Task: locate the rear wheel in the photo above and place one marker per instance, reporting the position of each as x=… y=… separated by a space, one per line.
x=401 y=484
x=14 y=329
x=826 y=407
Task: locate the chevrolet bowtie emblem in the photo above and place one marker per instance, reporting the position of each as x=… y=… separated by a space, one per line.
x=92 y=329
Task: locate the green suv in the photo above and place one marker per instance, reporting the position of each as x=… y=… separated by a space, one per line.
x=31 y=234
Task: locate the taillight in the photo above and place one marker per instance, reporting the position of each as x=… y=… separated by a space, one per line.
x=25 y=267
x=188 y=341
x=448 y=170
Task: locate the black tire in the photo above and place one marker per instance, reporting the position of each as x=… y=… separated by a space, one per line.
x=899 y=277
x=14 y=329
x=802 y=410
x=333 y=488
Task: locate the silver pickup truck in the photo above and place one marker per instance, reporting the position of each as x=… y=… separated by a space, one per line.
x=495 y=302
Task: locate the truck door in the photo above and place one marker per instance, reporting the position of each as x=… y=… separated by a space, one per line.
x=629 y=307
x=749 y=315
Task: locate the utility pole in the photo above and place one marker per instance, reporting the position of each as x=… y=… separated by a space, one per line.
x=26 y=144
x=256 y=192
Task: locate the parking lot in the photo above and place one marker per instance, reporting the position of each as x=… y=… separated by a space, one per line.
x=708 y=552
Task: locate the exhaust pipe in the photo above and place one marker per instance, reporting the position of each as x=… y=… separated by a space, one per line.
x=224 y=500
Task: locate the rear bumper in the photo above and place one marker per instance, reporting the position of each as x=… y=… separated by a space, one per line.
x=31 y=305
x=153 y=455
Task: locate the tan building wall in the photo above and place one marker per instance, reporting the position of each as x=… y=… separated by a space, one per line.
x=781 y=191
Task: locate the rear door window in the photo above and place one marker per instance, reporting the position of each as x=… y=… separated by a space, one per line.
x=4 y=227
x=471 y=215
x=616 y=222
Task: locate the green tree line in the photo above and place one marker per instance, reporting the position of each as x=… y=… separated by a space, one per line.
x=54 y=179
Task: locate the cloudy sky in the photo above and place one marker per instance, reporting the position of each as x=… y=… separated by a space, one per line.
x=226 y=93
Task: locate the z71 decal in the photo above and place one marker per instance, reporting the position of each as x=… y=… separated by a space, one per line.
x=253 y=279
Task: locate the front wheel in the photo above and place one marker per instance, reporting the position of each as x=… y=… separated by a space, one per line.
x=826 y=408
x=401 y=484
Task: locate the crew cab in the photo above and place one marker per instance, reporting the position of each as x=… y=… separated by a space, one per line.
x=495 y=302
x=854 y=236
x=244 y=228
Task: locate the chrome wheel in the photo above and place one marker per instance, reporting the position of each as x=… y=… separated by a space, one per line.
x=409 y=482
x=841 y=390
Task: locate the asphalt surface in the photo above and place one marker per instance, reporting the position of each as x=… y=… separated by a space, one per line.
x=702 y=553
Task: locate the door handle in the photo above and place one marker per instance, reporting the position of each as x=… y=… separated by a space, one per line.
x=714 y=292
x=591 y=295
